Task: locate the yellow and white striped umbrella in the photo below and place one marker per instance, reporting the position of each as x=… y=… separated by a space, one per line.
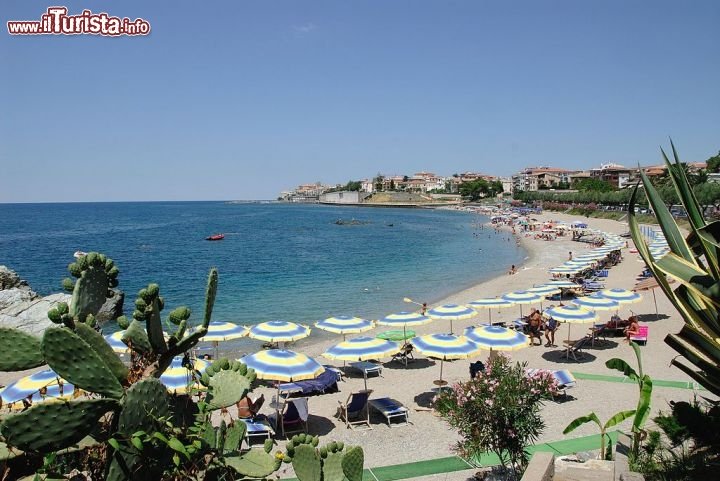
x=496 y=338
x=38 y=387
x=452 y=312
x=224 y=331
x=282 y=365
x=345 y=325
x=490 y=303
x=179 y=379
x=521 y=298
x=279 y=331
x=445 y=347
x=362 y=348
x=596 y=303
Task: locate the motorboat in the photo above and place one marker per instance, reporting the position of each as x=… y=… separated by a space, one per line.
x=215 y=237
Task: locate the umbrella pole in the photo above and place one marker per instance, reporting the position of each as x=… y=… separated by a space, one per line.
x=567 y=353
x=405 y=343
x=657 y=315
x=451 y=329
x=441 y=369
x=217 y=351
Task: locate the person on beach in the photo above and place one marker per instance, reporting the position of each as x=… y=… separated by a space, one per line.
x=534 y=323
x=570 y=256
x=247 y=408
x=513 y=270
x=423 y=309
x=633 y=329
x=551 y=326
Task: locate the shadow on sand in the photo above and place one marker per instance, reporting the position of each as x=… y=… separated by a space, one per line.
x=421 y=363
x=559 y=357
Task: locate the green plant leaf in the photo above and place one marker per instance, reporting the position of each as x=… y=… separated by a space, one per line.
x=700 y=377
x=623 y=367
x=674 y=237
x=618 y=418
x=576 y=423
x=643 y=408
x=638 y=358
x=692 y=354
x=176 y=445
x=691 y=276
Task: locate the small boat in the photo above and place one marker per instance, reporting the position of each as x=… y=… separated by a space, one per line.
x=79 y=254
x=215 y=237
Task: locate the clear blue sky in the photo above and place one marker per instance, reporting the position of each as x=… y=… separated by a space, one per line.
x=239 y=100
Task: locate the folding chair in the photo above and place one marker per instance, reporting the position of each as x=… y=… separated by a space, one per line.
x=355 y=406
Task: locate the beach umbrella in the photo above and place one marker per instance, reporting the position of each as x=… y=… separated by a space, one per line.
x=445 y=347
x=490 y=303
x=279 y=331
x=404 y=319
x=283 y=365
x=397 y=336
x=496 y=338
x=452 y=312
x=521 y=298
x=571 y=315
x=577 y=263
x=589 y=257
x=37 y=387
x=544 y=291
x=179 y=378
x=622 y=296
x=344 y=325
x=223 y=331
x=115 y=341
x=596 y=302
x=361 y=349
x=650 y=284
x=564 y=270
x=563 y=284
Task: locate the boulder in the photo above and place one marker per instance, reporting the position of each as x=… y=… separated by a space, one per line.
x=9 y=280
x=30 y=315
x=113 y=307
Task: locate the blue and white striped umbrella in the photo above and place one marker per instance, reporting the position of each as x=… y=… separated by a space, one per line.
x=521 y=298
x=497 y=338
x=596 y=302
x=590 y=257
x=224 y=331
x=445 y=347
x=563 y=284
x=345 y=325
x=565 y=270
x=544 y=289
x=623 y=296
x=490 y=303
x=115 y=341
x=178 y=379
x=571 y=314
x=38 y=387
x=362 y=348
x=282 y=365
x=452 y=312
x=279 y=331
x=404 y=319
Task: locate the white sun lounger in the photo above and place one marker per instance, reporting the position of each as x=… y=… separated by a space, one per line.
x=391 y=409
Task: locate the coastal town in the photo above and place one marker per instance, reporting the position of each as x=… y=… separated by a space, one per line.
x=431 y=186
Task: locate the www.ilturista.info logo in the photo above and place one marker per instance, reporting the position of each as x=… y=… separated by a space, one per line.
x=57 y=22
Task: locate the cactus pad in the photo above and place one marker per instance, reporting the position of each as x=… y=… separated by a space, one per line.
x=256 y=463
x=97 y=275
x=102 y=349
x=19 y=351
x=234 y=436
x=136 y=337
x=307 y=463
x=226 y=386
x=146 y=402
x=74 y=360
x=52 y=426
x=332 y=467
x=352 y=463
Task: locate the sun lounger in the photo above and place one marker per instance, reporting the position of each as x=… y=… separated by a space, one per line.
x=391 y=409
x=367 y=368
x=641 y=336
x=256 y=429
x=564 y=378
x=575 y=347
x=293 y=416
x=405 y=354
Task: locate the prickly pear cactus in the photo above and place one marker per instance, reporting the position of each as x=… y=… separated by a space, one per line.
x=234 y=436
x=255 y=463
x=307 y=463
x=75 y=361
x=352 y=463
x=227 y=383
x=297 y=440
x=19 y=351
x=146 y=403
x=136 y=338
x=147 y=308
x=96 y=275
x=102 y=349
x=53 y=426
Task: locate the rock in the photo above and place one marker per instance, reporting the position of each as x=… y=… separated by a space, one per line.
x=113 y=307
x=631 y=476
x=9 y=280
x=15 y=296
x=30 y=315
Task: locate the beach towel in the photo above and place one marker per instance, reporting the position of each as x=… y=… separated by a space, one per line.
x=301 y=405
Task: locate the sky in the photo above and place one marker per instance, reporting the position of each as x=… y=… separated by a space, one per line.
x=244 y=99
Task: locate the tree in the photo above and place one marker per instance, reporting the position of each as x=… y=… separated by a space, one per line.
x=594 y=185
x=713 y=163
x=392 y=184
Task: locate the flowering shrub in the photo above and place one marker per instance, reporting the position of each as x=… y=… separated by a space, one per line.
x=498 y=411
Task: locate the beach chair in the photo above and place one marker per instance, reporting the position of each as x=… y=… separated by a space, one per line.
x=391 y=409
x=575 y=347
x=293 y=416
x=641 y=336
x=405 y=354
x=354 y=408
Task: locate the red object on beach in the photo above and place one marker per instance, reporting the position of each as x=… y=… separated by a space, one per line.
x=215 y=237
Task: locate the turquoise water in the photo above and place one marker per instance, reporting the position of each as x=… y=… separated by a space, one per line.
x=277 y=261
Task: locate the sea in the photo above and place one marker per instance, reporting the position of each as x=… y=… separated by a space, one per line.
x=278 y=261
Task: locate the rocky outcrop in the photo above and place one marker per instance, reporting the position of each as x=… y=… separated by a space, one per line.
x=22 y=308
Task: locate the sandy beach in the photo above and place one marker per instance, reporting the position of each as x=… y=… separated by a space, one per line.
x=428 y=436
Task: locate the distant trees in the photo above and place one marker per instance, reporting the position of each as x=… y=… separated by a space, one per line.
x=713 y=163
x=594 y=185
x=480 y=188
